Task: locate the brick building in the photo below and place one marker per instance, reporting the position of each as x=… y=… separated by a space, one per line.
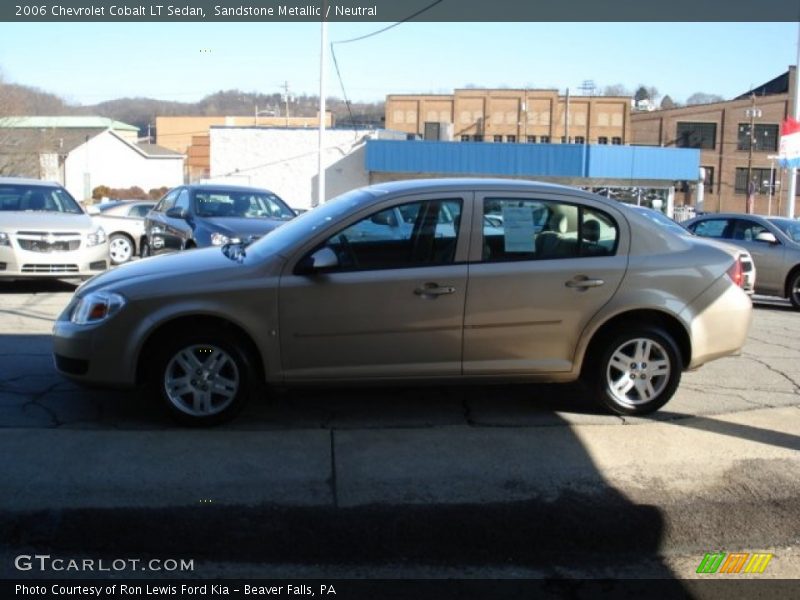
x=721 y=130
x=527 y=116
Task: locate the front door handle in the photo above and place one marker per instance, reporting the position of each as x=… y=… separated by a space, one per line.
x=582 y=282
x=434 y=290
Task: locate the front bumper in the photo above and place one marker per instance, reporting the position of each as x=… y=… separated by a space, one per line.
x=18 y=263
x=92 y=354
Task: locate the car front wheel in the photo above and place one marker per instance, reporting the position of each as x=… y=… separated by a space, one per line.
x=144 y=252
x=120 y=248
x=203 y=378
x=637 y=371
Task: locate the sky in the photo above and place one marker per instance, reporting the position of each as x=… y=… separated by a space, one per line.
x=87 y=63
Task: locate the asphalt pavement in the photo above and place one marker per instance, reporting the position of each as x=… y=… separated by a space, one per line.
x=500 y=481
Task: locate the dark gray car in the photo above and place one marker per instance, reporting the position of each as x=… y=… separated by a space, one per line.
x=773 y=242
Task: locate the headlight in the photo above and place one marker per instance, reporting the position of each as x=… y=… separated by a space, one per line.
x=96 y=307
x=219 y=239
x=4 y=239
x=97 y=237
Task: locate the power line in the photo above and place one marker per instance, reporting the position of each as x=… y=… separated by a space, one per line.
x=363 y=37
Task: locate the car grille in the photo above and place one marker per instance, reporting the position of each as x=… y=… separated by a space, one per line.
x=49 y=268
x=46 y=241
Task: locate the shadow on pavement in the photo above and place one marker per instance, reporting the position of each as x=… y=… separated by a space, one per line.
x=38 y=286
x=737 y=430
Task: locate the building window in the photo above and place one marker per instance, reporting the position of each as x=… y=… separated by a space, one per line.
x=764 y=136
x=761 y=177
x=545 y=139
x=465 y=138
x=602 y=140
x=563 y=139
x=511 y=139
x=708 y=182
x=531 y=139
x=579 y=139
x=696 y=135
x=477 y=138
x=498 y=138
x=616 y=141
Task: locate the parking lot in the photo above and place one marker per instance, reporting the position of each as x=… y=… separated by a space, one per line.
x=482 y=480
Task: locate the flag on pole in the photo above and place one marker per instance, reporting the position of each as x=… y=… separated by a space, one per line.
x=789 y=149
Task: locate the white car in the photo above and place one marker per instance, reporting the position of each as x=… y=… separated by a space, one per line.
x=44 y=232
x=123 y=222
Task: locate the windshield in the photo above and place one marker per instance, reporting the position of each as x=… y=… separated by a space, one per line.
x=37 y=198
x=307 y=224
x=790 y=227
x=247 y=204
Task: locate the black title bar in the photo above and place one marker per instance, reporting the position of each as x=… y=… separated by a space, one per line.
x=394 y=10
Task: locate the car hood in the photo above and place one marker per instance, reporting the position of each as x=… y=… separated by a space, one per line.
x=162 y=274
x=46 y=221
x=242 y=226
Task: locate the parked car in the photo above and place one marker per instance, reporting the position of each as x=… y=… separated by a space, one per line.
x=773 y=242
x=201 y=215
x=748 y=277
x=123 y=221
x=573 y=285
x=44 y=232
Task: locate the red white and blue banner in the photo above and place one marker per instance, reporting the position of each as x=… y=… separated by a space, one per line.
x=789 y=149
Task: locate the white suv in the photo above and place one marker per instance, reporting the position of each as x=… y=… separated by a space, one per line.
x=44 y=232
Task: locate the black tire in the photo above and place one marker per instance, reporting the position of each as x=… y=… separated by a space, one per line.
x=202 y=378
x=144 y=251
x=635 y=372
x=793 y=288
x=120 y=248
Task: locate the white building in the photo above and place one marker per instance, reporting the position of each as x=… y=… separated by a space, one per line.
x=285 y=160
x=83 y=153
x=108 y=159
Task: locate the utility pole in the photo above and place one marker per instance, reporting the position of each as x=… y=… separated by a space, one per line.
x=751 y=112
x=566 y=120
x=286 y=99
x=791 y=187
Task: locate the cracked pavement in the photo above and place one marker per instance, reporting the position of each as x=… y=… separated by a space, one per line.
x=539 y=460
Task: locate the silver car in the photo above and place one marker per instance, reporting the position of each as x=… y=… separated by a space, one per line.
x=44 y=233
x=123 y=221
x=773 y=242
x=748 y=275
x=566 y=285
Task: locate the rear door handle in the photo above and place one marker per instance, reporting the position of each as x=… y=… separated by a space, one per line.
x=433 y=290
x=583 y=282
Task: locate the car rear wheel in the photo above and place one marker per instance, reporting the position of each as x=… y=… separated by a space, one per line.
x=203 y=378
x=637 y=371
x=120 y=248
x=794 y=290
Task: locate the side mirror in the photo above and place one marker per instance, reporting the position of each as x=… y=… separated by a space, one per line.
x=766 y=236
x=92 y=210
x=177 y=212
x=384 y=218
x=322 y=260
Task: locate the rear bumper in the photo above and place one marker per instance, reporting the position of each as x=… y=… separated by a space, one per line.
x=720 y=321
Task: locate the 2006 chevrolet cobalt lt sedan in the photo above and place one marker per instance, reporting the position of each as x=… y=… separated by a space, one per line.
x=458 y=280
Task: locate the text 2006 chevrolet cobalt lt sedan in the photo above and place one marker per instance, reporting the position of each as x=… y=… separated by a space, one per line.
x=458 y=280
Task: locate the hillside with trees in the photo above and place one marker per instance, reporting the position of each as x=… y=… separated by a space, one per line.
x=19 y=100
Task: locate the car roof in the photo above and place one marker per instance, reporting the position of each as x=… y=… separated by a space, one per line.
x=472 y=183
x=28 y=181
x=225 y=187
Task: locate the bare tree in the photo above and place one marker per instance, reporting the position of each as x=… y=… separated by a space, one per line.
x=703 y=98
x=616 y=90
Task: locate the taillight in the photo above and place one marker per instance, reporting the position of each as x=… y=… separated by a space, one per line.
x=736 y=273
